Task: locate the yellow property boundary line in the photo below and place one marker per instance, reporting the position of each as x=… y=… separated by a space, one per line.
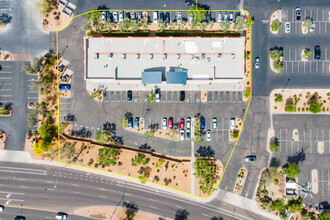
x=58 y=103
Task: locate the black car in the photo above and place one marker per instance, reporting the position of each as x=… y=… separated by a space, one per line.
x=161 y=16
x=0 y=67
x=19 y=217
x=317 y=51
x=129 y=95
x=130 y=123
x=109 y=16
x=167 y=17
x=128 y=15
x=208 y=17
x=298 y=14
x=190 y=3
x=182 y=96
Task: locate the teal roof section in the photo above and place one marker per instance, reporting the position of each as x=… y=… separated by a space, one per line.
x=176 y=78
x=151 y=77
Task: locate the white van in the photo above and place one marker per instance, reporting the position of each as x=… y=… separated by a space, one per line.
x=155 y=17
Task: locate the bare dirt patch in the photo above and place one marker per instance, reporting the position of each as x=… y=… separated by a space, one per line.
x=55 y=19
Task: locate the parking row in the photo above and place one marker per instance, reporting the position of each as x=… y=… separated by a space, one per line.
x=174 y=96
x=312 y=141
x=6 y=84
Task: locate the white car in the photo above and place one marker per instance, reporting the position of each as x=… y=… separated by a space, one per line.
x=191 y=18
x=155 y=17
x=312 y=28
x=115 y=16
x=257 y=64
x=225 y=16
x=287 y=27
x=208 y=135
x=231 y=17
x=103 y=16
x=232 y=124
x=214 y=123
x=179 y=17
x=188 y=121
x=219 y=16
x=2 y=208
x=121 y=16
x=157 y=95
x=182 y=135
x=61 y=215
x=164 y=123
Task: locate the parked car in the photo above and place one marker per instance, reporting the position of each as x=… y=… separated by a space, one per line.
x=61 y=215
x=133 y=15
x=136 y=122
x=182 y=135
x=232 y=124
x=121 y=16
x=170 y=123
x=208 y=17
x=181 y=123
x=139 y=17
x=225 y=16
x=115 y=16
x=130 y=123
x=219 y=18
x=188 y=134
x=128 y=15
x=129 y=95
x=2 y=208
x=109 y=17
x=103 y=16
x=250 y=158
x=312 y=28
x=208 y=135
x=231 y=17
x=19 y=217
x=64 y=87
x=188 y=122
x=202 y=123
x=317 y=51
x=257 y=64
x=157 y=95
x=155 y=17
x=190 y=3
x=214 y=123
x=182 y=96
x=167 y=17
x=161 y=16
x=298 y=13
x=61 y=67
x=191 y=18
x=0 y=67
x=164 y=123
x=179 y=17
x=287 y=27
x=237 y=14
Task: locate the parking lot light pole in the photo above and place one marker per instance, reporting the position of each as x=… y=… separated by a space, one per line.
x=286 y=84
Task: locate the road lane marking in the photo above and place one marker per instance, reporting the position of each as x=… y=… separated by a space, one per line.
x=76 y=192
x=204 y=214
x=153 y=207
x=75 y=185
x=2 y=192
x=153 y=200
x=13 y=171
x=17 y=200
x=102 y=197
x=102 y=189
x=24 y=187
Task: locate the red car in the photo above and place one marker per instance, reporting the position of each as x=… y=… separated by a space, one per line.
x=181 y=123
x=170 y=123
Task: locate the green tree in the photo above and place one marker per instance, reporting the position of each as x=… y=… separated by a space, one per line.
x=124 y=25
x=315 y=107
x=247 y=93
x=278 y=66
x=274 y=147
x=279 y=98
x=198 y=13
x=307 y=53
x=151 y=98
x=108 y=156
x=138 y=159
x=278 y=205
x=307 y=23
x=102 y=137
x=292 y=171
x=42 y=147
x=44 y=6
x=224 y=26
x=276 y=25
x=2 y=21
x=94 y=16
x=295 y=205
x=235 y=134
x=323 y=216
x=206 y=171
x=275 y=55
x=32 y=118
x=290 y=107
x=150 y=134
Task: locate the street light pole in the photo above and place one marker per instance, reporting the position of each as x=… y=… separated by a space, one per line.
x=286 y=84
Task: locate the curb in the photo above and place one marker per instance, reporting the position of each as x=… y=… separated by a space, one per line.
x=11 y=110
x=4 y=143
x=11 y=58
x=270 y=18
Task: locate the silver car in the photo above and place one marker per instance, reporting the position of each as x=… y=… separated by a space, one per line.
x=121 y=16
x=115 y=17
x=164 y=123
x=208 y=135
x=232 y=124
x=225 y=16
x=188 y=121
x=182 y=135
x=179 y=17
x=219 y=16
x=231 y=17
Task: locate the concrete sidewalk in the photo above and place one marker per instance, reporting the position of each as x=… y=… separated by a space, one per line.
x=219 y=194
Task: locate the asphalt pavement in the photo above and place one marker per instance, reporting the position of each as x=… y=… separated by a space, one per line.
x=33 y=185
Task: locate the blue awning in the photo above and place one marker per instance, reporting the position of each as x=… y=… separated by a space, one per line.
x=176 y=78
x=151 y=77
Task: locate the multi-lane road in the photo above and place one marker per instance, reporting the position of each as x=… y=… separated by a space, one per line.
x=62 y=189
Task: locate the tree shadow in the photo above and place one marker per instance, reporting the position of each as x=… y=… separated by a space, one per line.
x=216 y=218
x=110 y=127
x=83 y=133
x=324 y=206
x=275 y=162
x=102 y=7
x=130 y=209
x=146 y=147
x=70 y=117
x=204 y=151
x=298 y=157
x=6 y=18
x=181 y=214
x=204 y=6
x=154 y=126
x=128 y=115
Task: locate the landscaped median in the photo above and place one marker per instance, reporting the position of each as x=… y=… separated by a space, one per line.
x=300 y=101
x=275 y=21
x=276 y=59
x=3 y=138
x=234 y=133
x=5 y=111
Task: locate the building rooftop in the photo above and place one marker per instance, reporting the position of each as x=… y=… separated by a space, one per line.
x=200 y=58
